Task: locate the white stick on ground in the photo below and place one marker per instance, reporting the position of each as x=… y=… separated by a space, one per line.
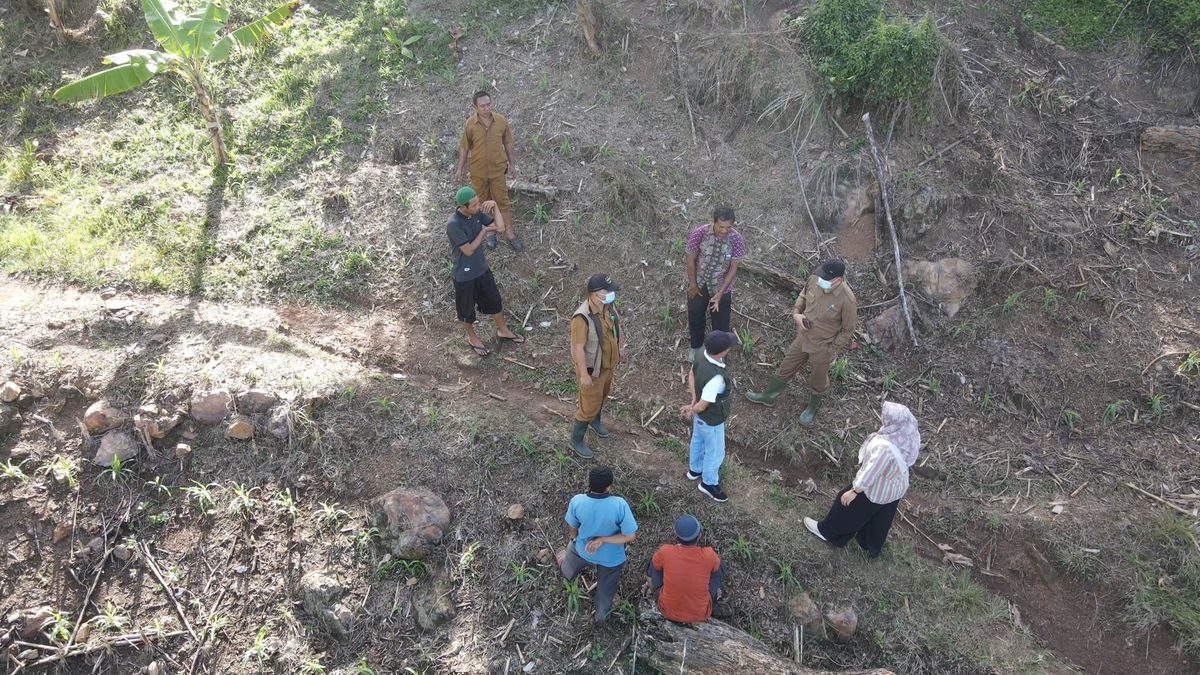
x=887 y=210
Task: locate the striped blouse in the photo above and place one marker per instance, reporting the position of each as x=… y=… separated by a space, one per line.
x=882 y=474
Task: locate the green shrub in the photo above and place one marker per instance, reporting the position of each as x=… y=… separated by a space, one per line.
x=858 y=53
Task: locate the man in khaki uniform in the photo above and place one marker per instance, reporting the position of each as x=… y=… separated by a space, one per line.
x=825 y=314
x=596 y=339
x=488 y=140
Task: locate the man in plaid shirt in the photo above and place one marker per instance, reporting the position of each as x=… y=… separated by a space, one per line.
x=713 y=252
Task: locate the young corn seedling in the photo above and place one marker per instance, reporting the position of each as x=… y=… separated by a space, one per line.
x=521 y=574
x=668 y=321
x=839 y=369
x=287 y=506
x=1050 y=301
x=329 y=516
x=575 y=591
x=527 y=445
x=468 y=556
x=986 y=404
x=1190 y=365
x=747 y=340
x=741 y=548
x=1072 y=419
x=648 y=503
x=13 y=471
x=1112 y=412
x=1156 y=404
x=932 y=385
x=202 y=496
x=541 y=214
x=242 y=501
x=889 y=381
x=117 y=472
x=786 y=577
x=111 y=619
x=159 y=487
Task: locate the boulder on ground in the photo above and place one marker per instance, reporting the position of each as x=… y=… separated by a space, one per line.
x=154 y=421
x=433 y=604
x=411 y=521
x=102 y=416
x=948 y=282
x=280 y=424
x=210 y=407
x=116 y=444
x=805 y=612
x=256 y=401
x=888 y=329
x=515 y=512
x=844 y=623
x=10 y=391
x=182 y=451
x=240 y=428
x=319 y=593
x=920 y=213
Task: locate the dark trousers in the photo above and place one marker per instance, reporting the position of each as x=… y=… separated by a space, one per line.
x=864 y=521
x=608 y=579
x=697 y=309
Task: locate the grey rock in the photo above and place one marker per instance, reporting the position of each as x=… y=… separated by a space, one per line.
x=256 y=401
x=411 y=521
x=319 y=592
x=116 y=444
x=948 y=282
x=210 y=407
x=9 y=391
x=240 y=428
x=434 y=605
x=280 y=425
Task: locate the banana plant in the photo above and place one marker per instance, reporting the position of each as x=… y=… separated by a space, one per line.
x=191 y=43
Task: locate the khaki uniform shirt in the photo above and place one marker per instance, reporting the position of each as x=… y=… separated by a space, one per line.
x=833 y=316
x=486 y=145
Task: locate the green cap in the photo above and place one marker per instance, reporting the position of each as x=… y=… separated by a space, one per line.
x=464 y=196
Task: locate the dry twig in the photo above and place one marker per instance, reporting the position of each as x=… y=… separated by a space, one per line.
x=881 y=176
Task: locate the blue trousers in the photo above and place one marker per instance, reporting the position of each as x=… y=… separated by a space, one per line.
x=708 y=450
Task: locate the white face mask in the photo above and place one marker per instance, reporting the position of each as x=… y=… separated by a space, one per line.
x=824 y=283
x=610 y=298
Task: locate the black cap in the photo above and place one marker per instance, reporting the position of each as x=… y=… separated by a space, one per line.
x=599 y=478
x=719 y=341
x=831 y=270
x=601 y=282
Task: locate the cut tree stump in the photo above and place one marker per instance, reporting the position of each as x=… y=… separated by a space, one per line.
x=1185 y=140
x=715 y=648
x=773 y=275
x=549 y=192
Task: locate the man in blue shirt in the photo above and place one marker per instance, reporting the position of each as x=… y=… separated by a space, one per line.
x=474 y=285
x=600 y=524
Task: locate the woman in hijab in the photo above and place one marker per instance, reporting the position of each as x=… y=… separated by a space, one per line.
x=864 y=510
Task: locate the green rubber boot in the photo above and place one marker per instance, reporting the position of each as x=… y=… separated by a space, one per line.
x=810 y=413
x=578 y=429
x=599 y=428
x=775 y=387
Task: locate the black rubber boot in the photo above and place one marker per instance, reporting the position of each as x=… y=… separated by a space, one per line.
x=599 y=428
x=578 y=429
x=810 y=413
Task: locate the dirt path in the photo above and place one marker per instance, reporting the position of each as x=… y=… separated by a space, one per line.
x=1068 y=616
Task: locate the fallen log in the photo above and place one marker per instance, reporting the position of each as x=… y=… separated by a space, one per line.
x=773 y=275
x=1185 y=140
x=714 y=648
x=549 y=192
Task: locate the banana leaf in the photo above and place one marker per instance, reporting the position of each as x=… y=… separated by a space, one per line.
x=253 y=32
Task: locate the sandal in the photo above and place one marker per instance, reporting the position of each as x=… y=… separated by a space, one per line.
x=515 y=339
x=481 y=350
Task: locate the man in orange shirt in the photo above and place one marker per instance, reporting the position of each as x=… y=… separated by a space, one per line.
x=488 y=141
x=685 y=578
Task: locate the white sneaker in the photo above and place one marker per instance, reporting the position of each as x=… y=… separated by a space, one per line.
x=812 y=527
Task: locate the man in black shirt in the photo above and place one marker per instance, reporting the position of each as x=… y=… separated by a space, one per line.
x=474 y=285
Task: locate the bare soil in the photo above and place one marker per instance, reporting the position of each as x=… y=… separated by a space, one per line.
x=389 y=394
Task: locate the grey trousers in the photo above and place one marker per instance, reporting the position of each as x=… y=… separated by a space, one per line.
x=607 y=580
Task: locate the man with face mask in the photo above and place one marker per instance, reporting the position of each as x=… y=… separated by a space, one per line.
x=711 y=388
x=596 y=341
x=825 y=314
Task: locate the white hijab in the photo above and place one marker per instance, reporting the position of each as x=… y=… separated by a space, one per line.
x=900 y=429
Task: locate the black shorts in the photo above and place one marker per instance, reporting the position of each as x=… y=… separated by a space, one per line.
x=479 y=292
